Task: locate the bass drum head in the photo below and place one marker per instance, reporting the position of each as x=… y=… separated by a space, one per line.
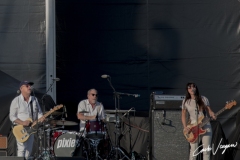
x=65 y=145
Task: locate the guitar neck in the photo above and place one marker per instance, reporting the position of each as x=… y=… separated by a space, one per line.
x=208 y=119
x=45 y=115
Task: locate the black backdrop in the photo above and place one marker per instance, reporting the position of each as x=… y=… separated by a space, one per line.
x=146 y=46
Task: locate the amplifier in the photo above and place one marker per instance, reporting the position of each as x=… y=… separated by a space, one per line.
x=166 y=101
x=166 y=139
x=3 y=142
x=3 y=153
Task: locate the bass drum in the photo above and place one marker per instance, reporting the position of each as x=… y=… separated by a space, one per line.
x=66 y=144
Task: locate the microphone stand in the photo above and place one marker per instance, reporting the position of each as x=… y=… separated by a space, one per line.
x=118 y=124
x=197 y=112
x=36 y=119
x=130 y=135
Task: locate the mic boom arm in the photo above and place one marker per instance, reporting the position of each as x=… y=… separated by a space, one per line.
x=128 y=94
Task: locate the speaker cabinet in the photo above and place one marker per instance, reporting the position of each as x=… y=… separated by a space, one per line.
x=168 y=141
x=3 y=142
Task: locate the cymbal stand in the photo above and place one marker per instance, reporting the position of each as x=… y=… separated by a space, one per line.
x=117 y=148
x=43 y=155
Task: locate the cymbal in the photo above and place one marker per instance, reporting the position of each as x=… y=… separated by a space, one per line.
x=83 y=112
x=56 y=113
x=66 y=123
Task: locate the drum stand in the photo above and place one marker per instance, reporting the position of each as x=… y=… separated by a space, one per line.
x=95 y=144
x=45 y=153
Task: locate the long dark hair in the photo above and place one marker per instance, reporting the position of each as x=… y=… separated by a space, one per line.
x=198 y=97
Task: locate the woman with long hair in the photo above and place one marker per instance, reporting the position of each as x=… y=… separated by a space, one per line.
x=196 y=107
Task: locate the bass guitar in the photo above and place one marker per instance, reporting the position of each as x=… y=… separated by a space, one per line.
x=22 y=133
x=196 y=129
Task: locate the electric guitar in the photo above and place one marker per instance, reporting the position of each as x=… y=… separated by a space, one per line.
x=196 y=129
x=22 y=133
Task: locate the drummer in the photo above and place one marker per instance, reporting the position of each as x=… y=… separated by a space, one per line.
x=90 y=109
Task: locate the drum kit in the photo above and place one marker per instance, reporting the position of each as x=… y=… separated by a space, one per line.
x=92 y=144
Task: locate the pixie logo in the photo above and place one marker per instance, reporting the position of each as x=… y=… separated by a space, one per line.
x=66 y=143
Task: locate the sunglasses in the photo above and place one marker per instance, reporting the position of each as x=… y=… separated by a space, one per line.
x=191 y=86
x=27 y=85
x=94 y=95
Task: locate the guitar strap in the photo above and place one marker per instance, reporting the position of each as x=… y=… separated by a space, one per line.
x=31 y=105
x=205 y=112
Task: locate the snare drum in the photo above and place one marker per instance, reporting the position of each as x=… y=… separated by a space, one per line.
x=95 y=129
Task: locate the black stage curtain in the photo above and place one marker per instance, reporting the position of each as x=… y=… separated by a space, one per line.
x=218 y=138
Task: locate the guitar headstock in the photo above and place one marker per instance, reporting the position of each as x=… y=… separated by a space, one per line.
x=229 y=104
x=57 y=107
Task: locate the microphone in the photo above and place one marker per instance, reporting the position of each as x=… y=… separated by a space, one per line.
x=128 y=111
x=65 y=110
x=194 y=90
x=56 y=79
x=164 y=115
x=105 y=76
x=136 y=95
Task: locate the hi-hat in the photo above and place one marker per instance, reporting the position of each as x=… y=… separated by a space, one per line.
x=66 y=123
x=83 y=112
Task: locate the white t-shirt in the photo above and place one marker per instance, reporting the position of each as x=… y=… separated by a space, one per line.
x=190 y=105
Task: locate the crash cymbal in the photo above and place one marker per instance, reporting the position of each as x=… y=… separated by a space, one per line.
x=54 y=113
x=83 y=112
x=66 y=123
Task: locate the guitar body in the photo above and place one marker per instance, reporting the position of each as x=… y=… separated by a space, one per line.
x=194 y=131
x=22 y=133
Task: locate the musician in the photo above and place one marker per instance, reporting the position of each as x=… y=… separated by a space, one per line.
x=92 y=108
x=194 y=104
x=20 y=111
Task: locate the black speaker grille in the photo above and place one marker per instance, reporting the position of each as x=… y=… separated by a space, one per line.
x=168 y=141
